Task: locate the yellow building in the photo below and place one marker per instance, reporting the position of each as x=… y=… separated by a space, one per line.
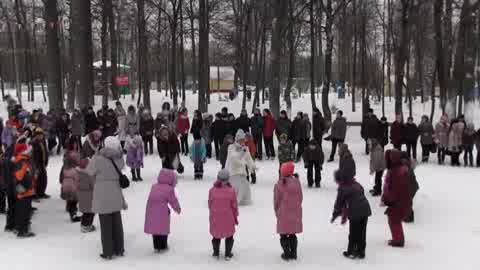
x=221 y=79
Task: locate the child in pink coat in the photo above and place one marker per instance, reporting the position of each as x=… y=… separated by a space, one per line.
x=222 y=203
x=157 y=217
x=287 y=202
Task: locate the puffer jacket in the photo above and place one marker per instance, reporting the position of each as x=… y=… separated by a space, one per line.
x=313 y=153
x=107 y=194
x=287 y=203
x=377 y=159
x=426 y=133
x=351 y=198
x=286 y=152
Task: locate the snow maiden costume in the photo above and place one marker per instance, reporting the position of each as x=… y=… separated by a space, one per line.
x=238 y=160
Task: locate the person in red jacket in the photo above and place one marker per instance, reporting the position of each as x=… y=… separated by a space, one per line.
x=183 y=126
x=396 y=132
x=396 y=196
x=268 y=131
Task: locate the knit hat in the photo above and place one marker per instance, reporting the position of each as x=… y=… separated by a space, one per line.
x=20 y=148
x=287 y=169
x=240 y=135
x=38 y=131
x=112 y=143
x=197 y=136
x=223 y=175
x=284 y=136
x=96 y=135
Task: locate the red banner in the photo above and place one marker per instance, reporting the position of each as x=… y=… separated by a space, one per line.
x=122 y=80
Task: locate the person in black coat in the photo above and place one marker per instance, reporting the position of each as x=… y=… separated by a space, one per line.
x=197 y=122
x=147 y=125
x=111 y=123
x=40 y=162
x=339 y=132
x=231 y=125
x=283 y=125
x=411 y=135
x=319 y=126
x=257 y=132
x=219 y=130
x=243 y=122
x=91 y=123
x=347 y=163
x=299 y=134
x=168 y=147
x=370 y=129
x=313 y=159
x=61 y=126
x=384 y=132
x=351 y=203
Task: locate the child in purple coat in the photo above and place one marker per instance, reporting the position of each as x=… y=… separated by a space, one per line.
x=157 y=217
x=135 y=156
x=222 y=204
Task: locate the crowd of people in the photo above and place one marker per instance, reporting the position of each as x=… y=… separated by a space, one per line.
x=98 y=146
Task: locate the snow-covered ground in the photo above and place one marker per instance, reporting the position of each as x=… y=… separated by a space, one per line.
x=445 y=236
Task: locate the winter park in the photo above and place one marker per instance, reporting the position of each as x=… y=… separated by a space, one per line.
x=240 y=134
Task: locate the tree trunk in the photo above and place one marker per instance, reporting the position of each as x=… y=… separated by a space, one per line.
x=245 y=56
x=439 y=50
x=54 y=79
x=312 y=56
x=194 y=49
x=182 y=53
x=83 y=51
x=355 y=49
x=328 y=60
x=113 y=49
x=278 y=36
x=401 y=55
x=103 y=42
x=143 y=54
x=173 y=54
x=291 y=58
x=203 y=61
x=72 y=81
x=35 y=51
x=464 y=54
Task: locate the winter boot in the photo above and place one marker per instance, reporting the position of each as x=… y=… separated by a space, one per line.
x=410 y=218
x=228 y=248
x=134 y=175
x=74 y=218
x=27 y=234
x=375 y=192
x=293 y=247
x=88 y=229
x=396 y=243
x=216 y=248
x=254 y=178
x=284 y=242
x=139 y=177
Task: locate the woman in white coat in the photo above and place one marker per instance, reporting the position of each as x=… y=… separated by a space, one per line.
x=238 y=160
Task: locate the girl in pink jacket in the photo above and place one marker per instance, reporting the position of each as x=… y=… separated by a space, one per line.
x=222 y=203
x=287 y=203
x=157 y=216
